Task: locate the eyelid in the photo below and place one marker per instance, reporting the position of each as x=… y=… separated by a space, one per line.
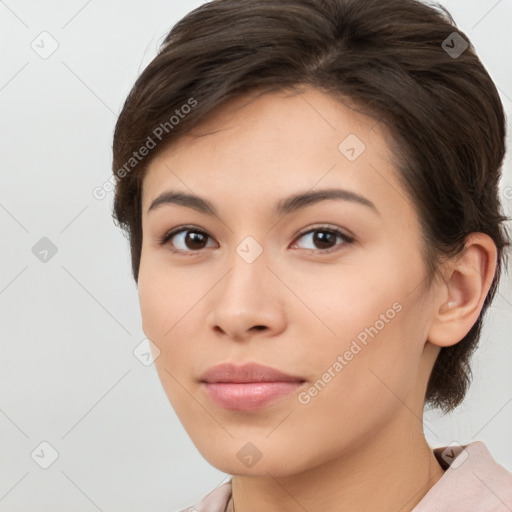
x=178 y=229
x=327 y=227
x=168 y=235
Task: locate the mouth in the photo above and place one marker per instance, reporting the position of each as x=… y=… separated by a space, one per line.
x=247 y=387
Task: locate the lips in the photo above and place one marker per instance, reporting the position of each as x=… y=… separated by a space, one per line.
x=247 y=387
x=250 y=372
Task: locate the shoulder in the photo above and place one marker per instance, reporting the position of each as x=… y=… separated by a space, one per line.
x=215 y=501
x=473 y=480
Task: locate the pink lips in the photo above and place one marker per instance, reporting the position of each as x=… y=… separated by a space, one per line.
x=247 y=387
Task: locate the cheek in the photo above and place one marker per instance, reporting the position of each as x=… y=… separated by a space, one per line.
x=163 y=297
x=161 y=309
x=359 y=385
x=153 y=302
x=377 y=331
x=169 y=304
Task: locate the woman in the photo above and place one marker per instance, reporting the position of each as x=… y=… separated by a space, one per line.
x=310 y=189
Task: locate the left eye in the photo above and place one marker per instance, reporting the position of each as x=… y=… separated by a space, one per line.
x=324 y=239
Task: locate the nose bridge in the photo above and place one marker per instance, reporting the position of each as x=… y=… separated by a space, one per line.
x=246 y=297
x=248 y=265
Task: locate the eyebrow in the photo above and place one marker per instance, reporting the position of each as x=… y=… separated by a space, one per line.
x=285 y=206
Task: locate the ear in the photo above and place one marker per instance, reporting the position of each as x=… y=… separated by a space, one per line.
x=467 y=279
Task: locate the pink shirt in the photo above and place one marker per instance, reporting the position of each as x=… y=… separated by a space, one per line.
x=473 y=482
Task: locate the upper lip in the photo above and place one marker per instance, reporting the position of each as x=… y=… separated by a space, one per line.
x=249 y=372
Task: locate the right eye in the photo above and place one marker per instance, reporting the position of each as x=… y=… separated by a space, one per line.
x=187 y=239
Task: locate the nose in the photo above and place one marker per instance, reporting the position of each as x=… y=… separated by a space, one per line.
x=248 y=302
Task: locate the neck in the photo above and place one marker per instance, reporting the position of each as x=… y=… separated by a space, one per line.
x=391 y=472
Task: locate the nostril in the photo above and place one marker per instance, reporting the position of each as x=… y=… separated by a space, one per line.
x=259 y=327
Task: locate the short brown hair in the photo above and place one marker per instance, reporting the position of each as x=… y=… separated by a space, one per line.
x=394 y=60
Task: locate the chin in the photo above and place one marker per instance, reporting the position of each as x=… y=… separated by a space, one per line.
x=247 y=460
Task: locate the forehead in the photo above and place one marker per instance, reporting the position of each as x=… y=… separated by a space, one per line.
x=302 y=114
x=262 y=145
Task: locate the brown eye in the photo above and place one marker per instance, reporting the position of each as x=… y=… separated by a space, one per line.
x=195 y=240
x=324 y=239
x=187 y=239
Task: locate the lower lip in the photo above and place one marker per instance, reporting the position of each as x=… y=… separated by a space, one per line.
x=246 y=396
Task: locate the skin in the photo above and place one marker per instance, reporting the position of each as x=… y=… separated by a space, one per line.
x=359 y=443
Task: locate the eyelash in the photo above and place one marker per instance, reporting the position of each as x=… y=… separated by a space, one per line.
x=347 y=240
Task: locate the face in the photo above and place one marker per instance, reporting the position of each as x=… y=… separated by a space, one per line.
x=327 y=289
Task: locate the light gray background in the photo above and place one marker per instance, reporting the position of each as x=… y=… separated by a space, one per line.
x=69 y=326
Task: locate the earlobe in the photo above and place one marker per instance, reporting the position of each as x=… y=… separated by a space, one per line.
x=468 y=278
